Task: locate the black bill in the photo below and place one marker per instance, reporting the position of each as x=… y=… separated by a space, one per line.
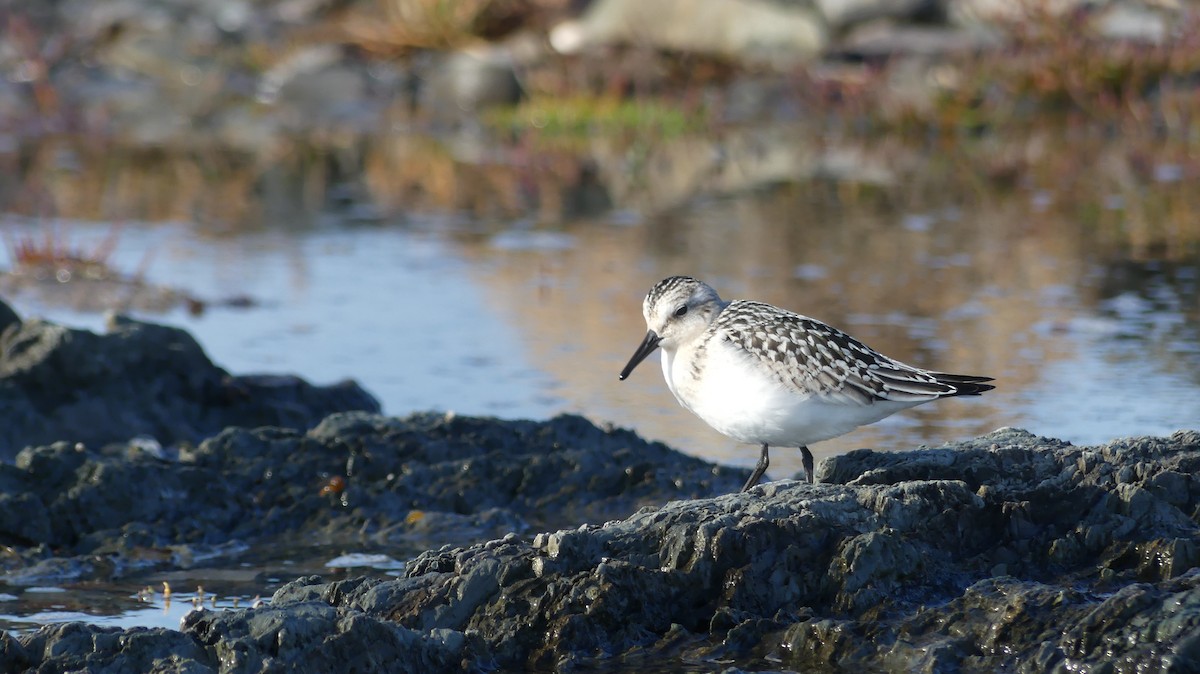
x=647 y=347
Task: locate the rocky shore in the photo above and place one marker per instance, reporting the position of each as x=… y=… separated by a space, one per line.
x=247 y=76
x=558 y=545
x=139 y=379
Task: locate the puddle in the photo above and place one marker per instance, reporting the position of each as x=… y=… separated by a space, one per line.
x=115 y=607
x=396 y=310
x=162 y=599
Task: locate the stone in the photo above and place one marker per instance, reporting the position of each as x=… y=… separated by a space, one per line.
x=842 y=13
x=751 y=32
x=141 y=379
x=1008 y=552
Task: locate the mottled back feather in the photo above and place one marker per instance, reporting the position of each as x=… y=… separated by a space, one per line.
x=819 y=360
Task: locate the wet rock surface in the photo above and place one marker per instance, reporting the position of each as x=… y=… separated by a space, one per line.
x=140 y=379
x=356 y=477
x=1005 y=553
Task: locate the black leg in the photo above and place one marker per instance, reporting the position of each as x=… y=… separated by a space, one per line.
x=808 y=464
x=763 y=461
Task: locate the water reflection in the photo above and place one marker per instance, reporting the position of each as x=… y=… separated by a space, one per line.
x=113 y=605
x=992 y=283
x=507 y=278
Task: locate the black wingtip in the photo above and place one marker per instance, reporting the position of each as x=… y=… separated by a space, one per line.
x=964 y=384
x=948 y=378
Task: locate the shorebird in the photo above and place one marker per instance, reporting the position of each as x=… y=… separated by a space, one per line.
x=764 y=375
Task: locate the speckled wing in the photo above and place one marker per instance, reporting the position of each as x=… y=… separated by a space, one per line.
x=819 y=360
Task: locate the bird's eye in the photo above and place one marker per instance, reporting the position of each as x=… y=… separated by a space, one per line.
x=681 y=311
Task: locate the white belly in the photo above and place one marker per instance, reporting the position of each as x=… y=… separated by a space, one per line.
x=750 y=405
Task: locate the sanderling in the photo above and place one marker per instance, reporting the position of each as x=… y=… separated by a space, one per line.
x=765 y=375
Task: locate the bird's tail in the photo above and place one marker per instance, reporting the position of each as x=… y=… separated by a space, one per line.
x=963 y=384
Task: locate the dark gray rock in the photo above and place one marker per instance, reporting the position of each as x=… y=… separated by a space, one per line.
x=1005 y=553
x=315 y=637
x=428 y=478
x=8 y=318
x=1009 y=624
x=23 y=517
x=80 y=647
x=465 y=83
x=304 y=637
x=886 y=40
x=141 y=379
x=356 y=477
x=315 y=88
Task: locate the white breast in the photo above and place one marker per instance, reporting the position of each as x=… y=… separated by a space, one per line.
x=746 y=402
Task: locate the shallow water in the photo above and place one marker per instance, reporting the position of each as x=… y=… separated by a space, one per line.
x=111 y=606
x=163 y=598
x=516 y=310
x=426 y=320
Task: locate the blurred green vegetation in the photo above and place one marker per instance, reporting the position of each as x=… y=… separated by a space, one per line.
x=577 y=118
